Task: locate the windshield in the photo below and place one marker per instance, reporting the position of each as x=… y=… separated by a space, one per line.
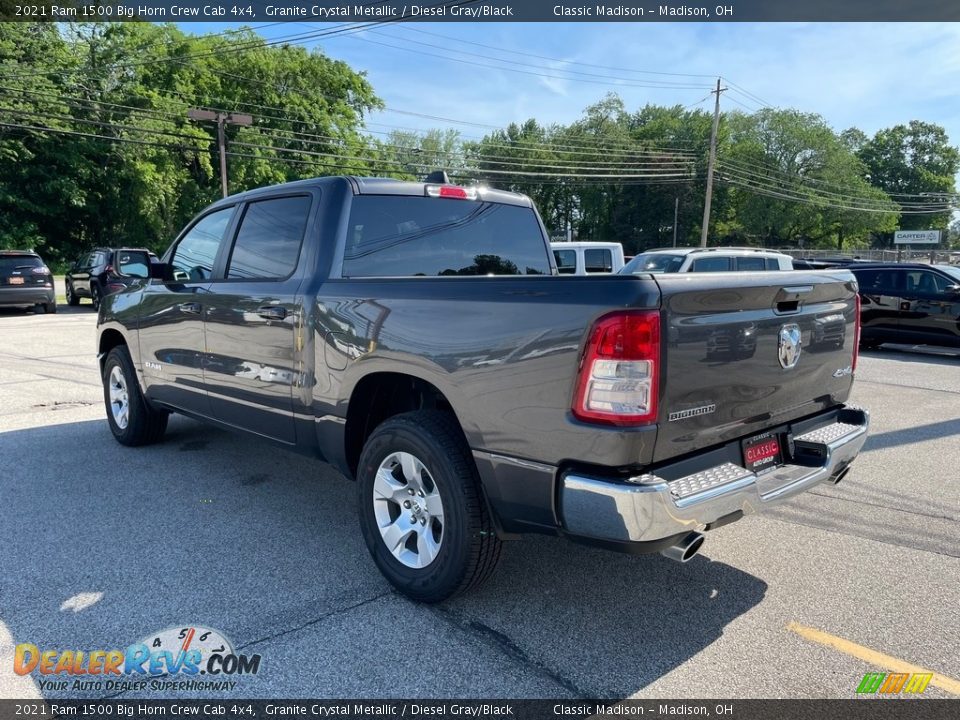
x=953 y=272
x=653 y=263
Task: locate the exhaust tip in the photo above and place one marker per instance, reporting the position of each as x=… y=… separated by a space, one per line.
x=686 y=548
x=841 y=475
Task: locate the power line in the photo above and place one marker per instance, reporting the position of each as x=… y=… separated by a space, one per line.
x=645 y=83
x=624 y=83
x=553 y=59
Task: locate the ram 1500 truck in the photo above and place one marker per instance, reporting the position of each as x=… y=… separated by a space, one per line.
x=418 y=337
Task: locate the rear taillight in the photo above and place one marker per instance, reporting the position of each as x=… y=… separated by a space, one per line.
x=856 y=333
x=108 y=269
x=42 y=270
x=115 y=287
x=617 y=382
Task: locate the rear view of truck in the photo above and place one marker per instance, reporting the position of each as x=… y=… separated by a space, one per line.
x=746 y=376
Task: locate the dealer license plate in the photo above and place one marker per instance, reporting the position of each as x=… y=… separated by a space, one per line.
x=16 y=280
x=762 y=452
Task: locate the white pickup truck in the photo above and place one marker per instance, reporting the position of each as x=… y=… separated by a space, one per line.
x=588 y=258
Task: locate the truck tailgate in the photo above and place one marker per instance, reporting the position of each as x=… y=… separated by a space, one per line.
x=733 y=365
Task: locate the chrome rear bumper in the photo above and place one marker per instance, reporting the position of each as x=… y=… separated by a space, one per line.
x=651 y=507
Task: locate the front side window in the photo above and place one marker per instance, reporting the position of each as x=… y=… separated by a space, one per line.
x=566 y=261
x=403 y=236
x=268 y=241
x=598 y=260
x=195 y=254
x=926 y=283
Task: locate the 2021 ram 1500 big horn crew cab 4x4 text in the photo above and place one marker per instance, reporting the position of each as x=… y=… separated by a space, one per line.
x=418 y=337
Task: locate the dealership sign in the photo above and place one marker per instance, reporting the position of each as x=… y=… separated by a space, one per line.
x=916 y=237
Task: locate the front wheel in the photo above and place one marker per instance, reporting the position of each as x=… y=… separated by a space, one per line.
x=95 y=297
x=422 y=512
x=132 y=421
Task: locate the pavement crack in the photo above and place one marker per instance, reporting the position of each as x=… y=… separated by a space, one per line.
x=775 y=518
x=509 y=647
x=281 y=633
x=315 y=621
x=885 y=507
x=909 y=387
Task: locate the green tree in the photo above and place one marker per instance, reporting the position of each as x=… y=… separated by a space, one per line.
x=913 y=162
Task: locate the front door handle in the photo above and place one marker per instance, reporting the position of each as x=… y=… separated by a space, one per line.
x=193 y=308
x=272 y=312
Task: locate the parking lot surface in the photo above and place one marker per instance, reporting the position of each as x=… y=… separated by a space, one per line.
x=104 y=545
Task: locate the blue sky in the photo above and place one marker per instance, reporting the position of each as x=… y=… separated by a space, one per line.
x=868 y=75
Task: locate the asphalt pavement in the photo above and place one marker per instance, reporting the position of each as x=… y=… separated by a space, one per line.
x=101 y=546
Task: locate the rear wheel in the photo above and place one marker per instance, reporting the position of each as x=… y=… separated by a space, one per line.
x=72 y=299
x=132 y=421
x=422 y=513
x=95 y=296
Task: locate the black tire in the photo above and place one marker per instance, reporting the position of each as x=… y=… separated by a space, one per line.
x=72 y=299
x=95 y=297
x=50 y=308
x=39 y=309
x=469 y=548
x=144 y=425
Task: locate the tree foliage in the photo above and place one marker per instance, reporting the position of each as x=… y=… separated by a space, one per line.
x=118 y=161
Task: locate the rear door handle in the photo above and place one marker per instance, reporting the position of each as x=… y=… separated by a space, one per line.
x=193 y=308
x=272 y=312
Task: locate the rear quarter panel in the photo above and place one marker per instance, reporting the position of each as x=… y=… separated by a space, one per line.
x=503 y=350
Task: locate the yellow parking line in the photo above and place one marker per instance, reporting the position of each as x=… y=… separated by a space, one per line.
x=873 y=657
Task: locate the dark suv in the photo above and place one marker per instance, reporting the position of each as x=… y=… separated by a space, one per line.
x=908 y=303
x=95 y=275
x=25 y=281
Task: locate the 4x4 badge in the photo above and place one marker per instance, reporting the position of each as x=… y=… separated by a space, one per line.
x=790 y=345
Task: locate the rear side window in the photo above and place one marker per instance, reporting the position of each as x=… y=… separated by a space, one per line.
x=391 y=236
x=193 y=259
x=773 y=264
x=753 y=263
x=566 y=261
x=711 y=264
x=598 y=260
x=268 y=241
x=878 y=281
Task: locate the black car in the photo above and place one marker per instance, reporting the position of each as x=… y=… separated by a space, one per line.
x=908 y=303
x=95 y=275
x=25 y=281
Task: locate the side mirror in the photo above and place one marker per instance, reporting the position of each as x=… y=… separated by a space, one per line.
x=133 y=263
x=953 y=289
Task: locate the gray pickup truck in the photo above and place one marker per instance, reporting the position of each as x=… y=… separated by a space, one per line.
x=418 y=337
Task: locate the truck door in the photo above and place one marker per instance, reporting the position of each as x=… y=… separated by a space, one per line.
x=252 y=316
x=171 y=316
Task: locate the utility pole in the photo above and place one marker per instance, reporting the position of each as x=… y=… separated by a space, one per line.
x=711 y=161
x=222 y=119
x=676 y=210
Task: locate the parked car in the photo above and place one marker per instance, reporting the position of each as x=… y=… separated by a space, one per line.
x=95 y=274
x=711 y=259
x=588 y=258
x=908 y=303
x=25 y=281
x=419 y=337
